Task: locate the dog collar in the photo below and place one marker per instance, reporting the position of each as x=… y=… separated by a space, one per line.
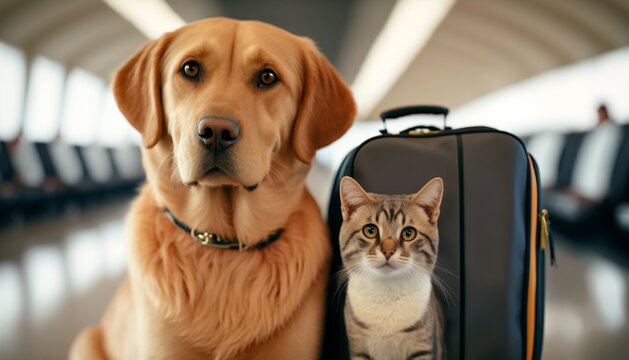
x=217 y=241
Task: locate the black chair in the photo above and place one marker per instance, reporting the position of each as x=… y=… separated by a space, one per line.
x=547 y=149
x=23 y=195
x=621 y=219
x=585 y=219
x=8 y=199
x=103 y=177
x=126 y=162
x=567 y=159
x=620 y=187
x=91 y=188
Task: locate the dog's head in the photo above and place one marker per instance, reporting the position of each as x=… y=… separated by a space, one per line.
x=226 y=98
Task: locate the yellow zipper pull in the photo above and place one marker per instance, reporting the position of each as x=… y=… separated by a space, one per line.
x=543 y=220
x=545 y=236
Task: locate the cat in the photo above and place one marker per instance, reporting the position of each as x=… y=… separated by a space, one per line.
x=389 y=249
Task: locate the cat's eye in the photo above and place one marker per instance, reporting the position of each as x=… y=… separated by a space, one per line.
x=408 y=233
x=370 y=231
x=190 y=70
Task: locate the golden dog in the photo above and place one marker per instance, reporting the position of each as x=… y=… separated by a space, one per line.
x=231 y=114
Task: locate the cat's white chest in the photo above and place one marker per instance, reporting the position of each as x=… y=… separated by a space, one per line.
x=388 y=306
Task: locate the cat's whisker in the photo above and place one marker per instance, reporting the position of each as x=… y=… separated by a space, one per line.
x=338 y=275
x=342 y=279
x=445 y=270
x=447 y=292
x=445 y=289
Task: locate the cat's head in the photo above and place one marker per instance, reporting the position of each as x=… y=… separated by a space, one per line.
x=389 y=234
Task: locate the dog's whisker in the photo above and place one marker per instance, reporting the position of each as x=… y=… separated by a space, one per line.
x=273 y=171
x=172 y=171
x=173 y=174
x=283 y=166
x=170 y=155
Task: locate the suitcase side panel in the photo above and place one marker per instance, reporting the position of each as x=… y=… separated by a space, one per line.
x=335 y=344
x=540 y=288
x=495 y=168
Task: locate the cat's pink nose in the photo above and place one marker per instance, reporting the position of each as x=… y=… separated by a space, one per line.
x=387 y=253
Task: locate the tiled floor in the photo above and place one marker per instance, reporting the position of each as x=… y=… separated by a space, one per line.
x=58 y=275
x=587 y=305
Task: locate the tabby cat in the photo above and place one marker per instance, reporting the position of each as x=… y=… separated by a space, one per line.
x=389 y=250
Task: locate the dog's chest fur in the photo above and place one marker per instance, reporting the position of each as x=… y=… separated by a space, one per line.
x=223 y=301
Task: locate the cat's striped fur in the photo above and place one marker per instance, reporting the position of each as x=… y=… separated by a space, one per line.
x=389 y=246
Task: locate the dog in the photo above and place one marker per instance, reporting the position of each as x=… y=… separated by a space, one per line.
x=228 y=256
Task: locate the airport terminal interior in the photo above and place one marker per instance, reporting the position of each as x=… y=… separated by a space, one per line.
x=553 y=73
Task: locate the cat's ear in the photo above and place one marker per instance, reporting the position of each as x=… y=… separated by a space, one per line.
x=429 y=198
x=352 y=196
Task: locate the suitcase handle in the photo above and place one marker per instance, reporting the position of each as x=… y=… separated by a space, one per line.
x=413 y=110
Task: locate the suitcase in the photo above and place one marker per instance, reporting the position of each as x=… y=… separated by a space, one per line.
x=493 y=236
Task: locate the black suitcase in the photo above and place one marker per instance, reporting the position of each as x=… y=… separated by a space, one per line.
x=493 y=235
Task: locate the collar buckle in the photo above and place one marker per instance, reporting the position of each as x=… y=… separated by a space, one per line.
x=217 y=241
x=205 y=238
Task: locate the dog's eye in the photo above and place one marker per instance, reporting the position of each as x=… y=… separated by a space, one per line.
x=190 y=70
x=267 y=77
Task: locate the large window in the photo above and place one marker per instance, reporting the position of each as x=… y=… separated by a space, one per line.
x=612 y=74
x=43 y=104
x=113 y=127
x=81 y=107
x=12 y=87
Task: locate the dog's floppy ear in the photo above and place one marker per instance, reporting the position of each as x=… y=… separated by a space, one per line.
x=137 y=89
x=327 y=107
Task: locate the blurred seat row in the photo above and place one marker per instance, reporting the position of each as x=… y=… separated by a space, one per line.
x=45 y=178
x=585 y=181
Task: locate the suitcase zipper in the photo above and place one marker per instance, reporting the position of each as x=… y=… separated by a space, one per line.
x=415 y=132
x=546 y=238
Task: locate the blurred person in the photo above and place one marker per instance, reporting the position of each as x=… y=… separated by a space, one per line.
x=585 y=201
x=587 y=197
x=595 y=161
x=603 y=115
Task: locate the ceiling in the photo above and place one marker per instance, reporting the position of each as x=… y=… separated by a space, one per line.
x=481 y=46
x=485 y=45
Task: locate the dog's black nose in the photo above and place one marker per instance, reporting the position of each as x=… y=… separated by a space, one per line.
x=218 y=131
